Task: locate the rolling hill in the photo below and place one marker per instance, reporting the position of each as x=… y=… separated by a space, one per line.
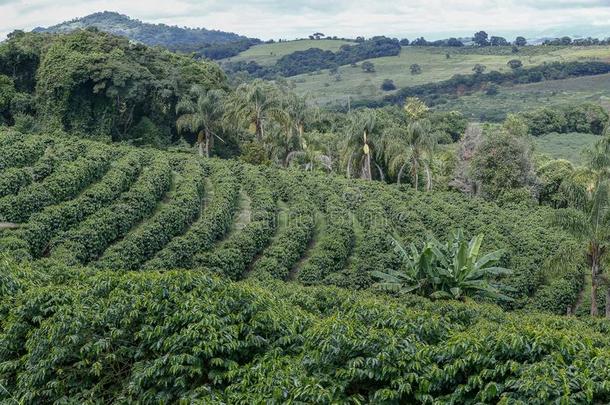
x=170 y=37
x=134 y=209
x=437 y=64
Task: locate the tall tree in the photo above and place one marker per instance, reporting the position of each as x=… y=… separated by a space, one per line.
x=480 y=38
x=360 y=143
x=590 y=222
x=255 y=103
x=200 y=113
x=411 y=147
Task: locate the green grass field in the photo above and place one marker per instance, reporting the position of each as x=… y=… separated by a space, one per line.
x=525 y=97
x=325 y=88
x=565 y=146
x=353 y=82
x=357 y=84
x=267 y=54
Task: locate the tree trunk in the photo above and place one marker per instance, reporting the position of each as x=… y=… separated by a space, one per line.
x=380 y=170
x=259 y=130
x=349 y=166
x=608 y=302
x=200 y=143
x=208 y=143
x=428 y=177
x=367 y=167
x=415 y=171
x=402 y=168
x=594 y=281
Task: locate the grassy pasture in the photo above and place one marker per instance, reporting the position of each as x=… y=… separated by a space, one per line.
x=531 y=96
x=268 y=54
x=354 y=82
x=565 y=146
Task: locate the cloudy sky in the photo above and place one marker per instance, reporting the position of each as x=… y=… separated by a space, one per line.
x=297 y=18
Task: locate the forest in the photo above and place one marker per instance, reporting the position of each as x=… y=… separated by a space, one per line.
x=172 y=230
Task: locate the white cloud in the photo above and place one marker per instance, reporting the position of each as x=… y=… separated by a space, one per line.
x=274 y=18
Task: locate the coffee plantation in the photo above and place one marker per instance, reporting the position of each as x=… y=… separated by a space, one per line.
x=141 y=275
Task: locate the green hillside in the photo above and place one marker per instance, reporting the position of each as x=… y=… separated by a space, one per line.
x=128 y=213
x=526 y=97
x=268 y=54
x=212 y=44
x=150 y=34
x=565 y=146
x=351 y=81
x=174 y=233
x=171 y=210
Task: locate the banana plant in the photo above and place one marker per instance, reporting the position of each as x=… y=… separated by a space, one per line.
x=452 y=270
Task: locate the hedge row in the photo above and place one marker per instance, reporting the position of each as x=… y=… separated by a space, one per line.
x=214 y=222
x=89 y=240
x=173 y=219
x=150 y=337
x=375 y=252
x=15 y=178
x=22 y=151
x=65 y=183
x=332 y=250
x=44 y=225
x=290 y=244
x=232 y=256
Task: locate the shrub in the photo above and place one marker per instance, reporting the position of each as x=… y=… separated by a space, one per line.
x=388 y=85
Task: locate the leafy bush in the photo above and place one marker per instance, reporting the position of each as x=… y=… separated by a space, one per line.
x=171 y=220
x=19 y=150
x=335 y=244
x=584 y=118
x=44 y=225
x=288 y=247
x=241 y=343
x=233 y=255
x=451 y=270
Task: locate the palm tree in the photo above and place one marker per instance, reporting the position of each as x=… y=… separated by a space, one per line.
x=412 y=147
x=292 y=118
x=359 y=142
x=590 y=221
x=453 y=270
x=254 y=103
x=200 y=113
x=313 y=154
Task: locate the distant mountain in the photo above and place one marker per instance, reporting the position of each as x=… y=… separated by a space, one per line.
x=171 y=37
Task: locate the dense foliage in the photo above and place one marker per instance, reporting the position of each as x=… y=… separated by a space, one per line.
x=150 y=337
x=137 y=274
x=100 y=85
